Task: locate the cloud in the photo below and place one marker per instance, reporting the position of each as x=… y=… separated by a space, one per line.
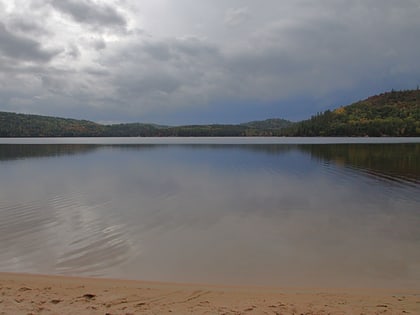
x=25 y=26
x=89 y=12
x=22 y=48
x=165 y=74
x=213 y=59
x=235 y=17
x=99 y=44
x=73 y=51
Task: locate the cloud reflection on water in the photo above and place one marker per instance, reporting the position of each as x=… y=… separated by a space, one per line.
x=219 y=214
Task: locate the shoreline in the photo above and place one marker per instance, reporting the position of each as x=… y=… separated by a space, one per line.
x=22 y=293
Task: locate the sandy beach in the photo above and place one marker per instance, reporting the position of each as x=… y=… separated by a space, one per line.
x=41 y=294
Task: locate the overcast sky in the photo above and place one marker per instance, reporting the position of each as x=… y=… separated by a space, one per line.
x=192 y=61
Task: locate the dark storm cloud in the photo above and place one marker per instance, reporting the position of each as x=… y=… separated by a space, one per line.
x=86 y=11
x=280 y=60
x=134 y=87
x=99 y=44
x=189 y=47
x=22 y=48
x=158 y=50
x=235 y=17
x=195 y=47
x=73 y=51
x=160 y=59
x=96 y=72
x=25 y=25
x=176 y=72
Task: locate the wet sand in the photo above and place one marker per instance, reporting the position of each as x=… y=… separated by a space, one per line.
x=39 y=294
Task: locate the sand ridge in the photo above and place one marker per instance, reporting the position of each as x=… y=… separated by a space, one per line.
x=39 y=294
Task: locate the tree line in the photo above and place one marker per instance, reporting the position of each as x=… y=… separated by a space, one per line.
x=395 y=113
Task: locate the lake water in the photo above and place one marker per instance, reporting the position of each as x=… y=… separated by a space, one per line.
x=259 y=211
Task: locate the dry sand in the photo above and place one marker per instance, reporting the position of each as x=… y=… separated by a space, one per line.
x=36 y=294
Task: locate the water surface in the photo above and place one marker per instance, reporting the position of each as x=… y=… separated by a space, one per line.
x=221 y=211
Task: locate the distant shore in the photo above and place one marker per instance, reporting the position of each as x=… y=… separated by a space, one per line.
x=42 y=294
x=390 y=114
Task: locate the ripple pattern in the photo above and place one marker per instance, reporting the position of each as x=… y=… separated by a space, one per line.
x=78 y=239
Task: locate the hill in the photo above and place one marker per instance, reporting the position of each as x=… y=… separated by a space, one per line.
x=273 y=123
x=22 y=125
x=268 y=127
x=395 y=113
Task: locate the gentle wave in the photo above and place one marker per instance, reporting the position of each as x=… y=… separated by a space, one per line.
x=82 y=245
x=225 y=214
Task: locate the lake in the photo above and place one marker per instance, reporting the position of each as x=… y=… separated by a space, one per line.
x=332 y=212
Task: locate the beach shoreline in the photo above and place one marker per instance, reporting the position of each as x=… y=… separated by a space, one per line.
x=49 y=294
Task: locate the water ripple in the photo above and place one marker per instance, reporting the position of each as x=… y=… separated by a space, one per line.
x=80 y=240
x=227 y=215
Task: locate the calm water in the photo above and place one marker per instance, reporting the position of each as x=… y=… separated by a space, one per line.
x=230 y=211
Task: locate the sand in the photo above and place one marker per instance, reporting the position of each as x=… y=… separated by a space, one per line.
x=39 y=294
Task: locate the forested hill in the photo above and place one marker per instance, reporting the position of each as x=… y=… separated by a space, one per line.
x=395 y=113
x=22 y=125
x=388 y=114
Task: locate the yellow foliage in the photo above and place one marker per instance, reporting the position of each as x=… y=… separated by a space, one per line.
x=340 y=110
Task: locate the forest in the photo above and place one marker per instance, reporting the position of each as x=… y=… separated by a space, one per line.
x=395 y=113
